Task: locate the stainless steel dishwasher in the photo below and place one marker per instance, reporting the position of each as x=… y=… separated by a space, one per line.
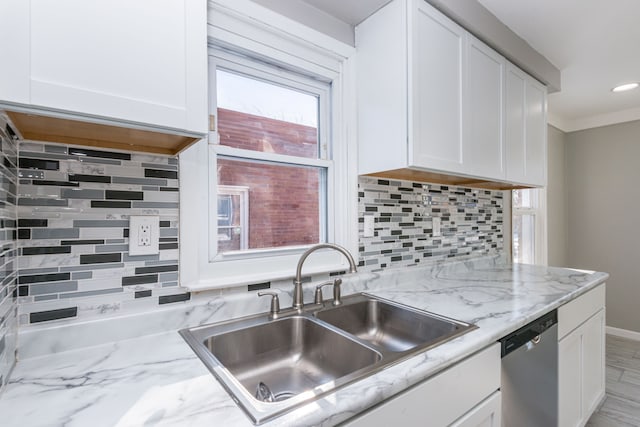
x=530 y=374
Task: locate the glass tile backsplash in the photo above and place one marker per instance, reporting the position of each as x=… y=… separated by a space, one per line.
x=8 y=253
x=73 y=217
x=470 y=222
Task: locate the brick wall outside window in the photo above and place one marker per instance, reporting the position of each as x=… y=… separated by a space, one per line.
x=283 y=200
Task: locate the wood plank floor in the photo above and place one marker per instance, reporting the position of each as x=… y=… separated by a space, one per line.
x=621 y=406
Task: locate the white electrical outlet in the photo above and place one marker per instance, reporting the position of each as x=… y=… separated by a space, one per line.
x=144 y=235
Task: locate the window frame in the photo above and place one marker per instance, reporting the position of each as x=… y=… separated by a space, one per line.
x=539 y=213
x=242 y=193
x=253 y=68
x=244 y=28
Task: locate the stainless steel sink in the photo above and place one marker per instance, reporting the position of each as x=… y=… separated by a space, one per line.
x=271 y=366
x=388 y=326
x=289 y=356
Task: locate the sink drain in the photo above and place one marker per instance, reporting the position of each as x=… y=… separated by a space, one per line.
x=264 y=394
x=283 y=396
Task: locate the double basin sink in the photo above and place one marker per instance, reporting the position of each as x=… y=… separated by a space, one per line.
x=271 y=366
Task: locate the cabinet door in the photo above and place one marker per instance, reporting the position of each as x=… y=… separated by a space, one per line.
x=593 y=363
x=570 y=379
x=483 y=143
x=436 y=87
x=536 y=133
x=486 y=414
x=14 y=49
x=129 y=60
x=442 y=399
x=581 y=371
x=516 y=83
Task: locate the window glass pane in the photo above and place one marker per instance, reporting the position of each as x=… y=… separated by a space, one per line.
x=284 y=206
x=261 y=116
x=232 y=218
x=526 y=198
x=524 y=239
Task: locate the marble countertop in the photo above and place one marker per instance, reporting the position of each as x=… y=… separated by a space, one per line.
x=158 y=380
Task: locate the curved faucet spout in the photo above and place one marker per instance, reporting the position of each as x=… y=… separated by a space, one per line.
x=297 y=282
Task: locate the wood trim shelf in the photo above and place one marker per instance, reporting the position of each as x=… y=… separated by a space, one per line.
x=444 y=179
x=67 y=131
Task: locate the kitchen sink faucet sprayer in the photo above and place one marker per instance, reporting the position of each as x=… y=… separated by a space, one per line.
x=298 y=301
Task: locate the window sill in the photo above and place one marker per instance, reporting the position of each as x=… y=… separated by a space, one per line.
x=249 y=279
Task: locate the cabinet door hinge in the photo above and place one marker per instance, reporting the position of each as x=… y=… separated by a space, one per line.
x=212 y=123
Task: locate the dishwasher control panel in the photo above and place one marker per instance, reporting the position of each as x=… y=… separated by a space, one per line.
x=527 y=333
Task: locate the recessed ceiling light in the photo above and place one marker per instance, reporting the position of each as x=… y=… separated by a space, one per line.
x=625 y=87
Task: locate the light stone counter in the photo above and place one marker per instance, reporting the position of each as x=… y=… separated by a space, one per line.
x=157 y=379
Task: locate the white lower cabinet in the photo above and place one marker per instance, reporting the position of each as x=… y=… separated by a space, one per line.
x=465 y=394
x=486 y=414
x=581 y=362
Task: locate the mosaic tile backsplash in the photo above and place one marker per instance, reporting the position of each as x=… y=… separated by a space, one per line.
x=8 y=254
x=471 y=222
x=73 y=216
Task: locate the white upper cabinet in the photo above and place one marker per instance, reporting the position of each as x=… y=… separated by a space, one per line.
x=436 y=57
x=526 y=128
x=433 y=98
x=484 y=141
x=135 y=61
x=536 y=133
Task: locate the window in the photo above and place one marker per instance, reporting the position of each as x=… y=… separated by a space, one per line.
x=273 y=142
x=278 y=171
x=233 y=209
x=529 y=226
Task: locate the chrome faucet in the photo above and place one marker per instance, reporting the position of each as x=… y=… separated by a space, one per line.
x=298 y=301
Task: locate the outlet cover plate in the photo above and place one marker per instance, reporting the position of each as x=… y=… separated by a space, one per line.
x=151 y=245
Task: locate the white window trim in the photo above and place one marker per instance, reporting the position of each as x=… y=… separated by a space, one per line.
x=540 y=214
x=254 y=69
x=247 y=27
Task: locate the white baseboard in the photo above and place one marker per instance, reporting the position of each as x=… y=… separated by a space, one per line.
x=623 y=333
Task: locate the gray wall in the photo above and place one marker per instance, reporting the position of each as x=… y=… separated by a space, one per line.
x=557 y=233
x=603 y=174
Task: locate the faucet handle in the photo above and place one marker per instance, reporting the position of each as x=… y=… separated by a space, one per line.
x=336 y=291
x=275 y=302
x=318 y=297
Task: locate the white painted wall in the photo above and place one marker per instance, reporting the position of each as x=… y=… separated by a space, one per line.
x=602 y=179
x=313 y=18
x=557 y=221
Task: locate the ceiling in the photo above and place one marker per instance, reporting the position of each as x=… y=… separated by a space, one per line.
x=594 y=44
